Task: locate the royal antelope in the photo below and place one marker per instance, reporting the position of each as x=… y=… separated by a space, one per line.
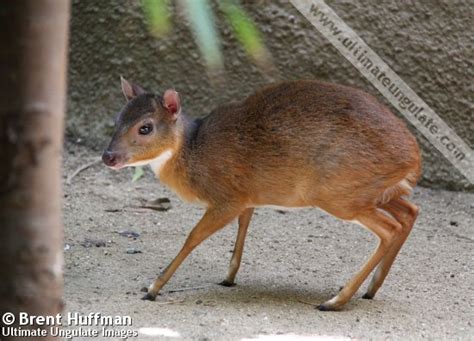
x=291 y=144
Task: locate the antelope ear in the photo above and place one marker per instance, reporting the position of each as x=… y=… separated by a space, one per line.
x=172 y=103
x=130 y=90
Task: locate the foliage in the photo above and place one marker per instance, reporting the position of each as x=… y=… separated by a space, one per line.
x=137 y=173
x=202 y=22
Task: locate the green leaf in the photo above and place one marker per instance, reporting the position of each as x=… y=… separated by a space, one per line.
x=137 y=174
x=244 y=29
x=157 y=16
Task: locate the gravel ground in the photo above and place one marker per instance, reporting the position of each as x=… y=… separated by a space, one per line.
x=292 y=261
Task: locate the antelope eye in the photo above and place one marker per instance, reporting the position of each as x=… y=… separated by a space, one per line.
x=145 y=129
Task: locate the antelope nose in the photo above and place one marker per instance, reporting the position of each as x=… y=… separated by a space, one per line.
x=109 y=158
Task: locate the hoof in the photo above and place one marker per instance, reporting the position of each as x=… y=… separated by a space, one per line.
x=325 y=307
x=368 y=296
x=226 y=283
x=329 y=306
x=149 y=297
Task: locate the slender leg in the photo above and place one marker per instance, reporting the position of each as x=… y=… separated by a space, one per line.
x=213 y=220
x=244 y=220
x=405 y=213
x=383 y=227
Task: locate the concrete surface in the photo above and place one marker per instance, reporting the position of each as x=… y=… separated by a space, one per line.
x=291 y=261
x=428 y=43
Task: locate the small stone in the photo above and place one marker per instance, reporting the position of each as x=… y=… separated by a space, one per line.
x=87 y=243
x=160 y=204
x=129 y=234
x=132 y=251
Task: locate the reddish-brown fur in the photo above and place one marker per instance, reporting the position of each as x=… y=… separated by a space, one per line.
x=293 y=144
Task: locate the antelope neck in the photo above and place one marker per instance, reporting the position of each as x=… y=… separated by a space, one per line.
x=186 y=142
x=177 y=170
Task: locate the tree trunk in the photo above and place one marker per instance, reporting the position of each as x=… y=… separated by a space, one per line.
x=33 y=60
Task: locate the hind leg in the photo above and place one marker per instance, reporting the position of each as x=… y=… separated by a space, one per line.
x=405 y=213
x=384 y=227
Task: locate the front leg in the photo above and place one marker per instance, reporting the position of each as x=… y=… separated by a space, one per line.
x=244 y=220
x=213 y=220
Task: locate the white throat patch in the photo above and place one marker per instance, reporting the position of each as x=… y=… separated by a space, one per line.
x=157 y=163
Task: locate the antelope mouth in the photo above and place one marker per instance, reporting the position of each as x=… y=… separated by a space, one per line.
x=113 y=160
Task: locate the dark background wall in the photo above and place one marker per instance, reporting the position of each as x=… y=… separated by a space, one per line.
x=428 y=43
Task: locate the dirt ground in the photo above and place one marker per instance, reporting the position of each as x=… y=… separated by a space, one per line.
x=292 y=261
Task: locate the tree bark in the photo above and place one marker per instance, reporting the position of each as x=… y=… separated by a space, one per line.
x=33 y=61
